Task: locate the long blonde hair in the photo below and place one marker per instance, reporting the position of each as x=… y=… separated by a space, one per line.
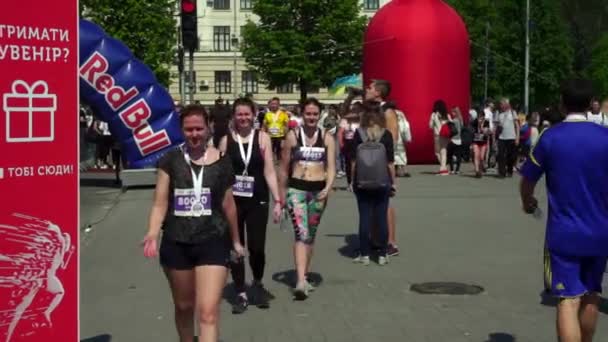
x=373 y=120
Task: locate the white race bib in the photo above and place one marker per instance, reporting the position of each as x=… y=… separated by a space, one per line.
x=186 y=205
x=243 y=186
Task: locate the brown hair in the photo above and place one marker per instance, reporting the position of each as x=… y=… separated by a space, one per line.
x=191 y=110
x=373 y=119
x=244 y=101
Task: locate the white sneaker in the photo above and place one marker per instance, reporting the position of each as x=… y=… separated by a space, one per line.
x=362 y=260
x=383 y=260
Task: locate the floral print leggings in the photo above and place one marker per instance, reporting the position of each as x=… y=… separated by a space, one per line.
x=305 y=211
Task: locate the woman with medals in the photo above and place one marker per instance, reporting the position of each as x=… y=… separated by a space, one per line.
x=250 y=152
x=306 y=176
x=481 y=137
x=195 y=207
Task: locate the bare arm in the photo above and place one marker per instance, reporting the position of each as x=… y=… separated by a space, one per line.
x=284 y=165
x=331 y=161
x=159 y=204
x=391 y=124
x=229 y=207
x=526 y=191
x=269 y=172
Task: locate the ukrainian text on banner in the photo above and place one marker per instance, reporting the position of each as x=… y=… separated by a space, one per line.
x=39 y=171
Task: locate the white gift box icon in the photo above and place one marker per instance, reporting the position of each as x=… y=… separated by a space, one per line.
x=30 y=112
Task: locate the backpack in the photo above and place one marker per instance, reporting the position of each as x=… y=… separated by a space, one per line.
x=448 y=130
x=371 y=164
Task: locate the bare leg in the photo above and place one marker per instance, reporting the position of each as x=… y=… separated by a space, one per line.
x=301 y=256
x=568 y=326
x=210 y=282
x=310 y=253
x=391 y=226
x=182 y=289
x=588 y=314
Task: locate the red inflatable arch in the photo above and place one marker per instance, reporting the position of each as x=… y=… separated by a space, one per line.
x=422 y=48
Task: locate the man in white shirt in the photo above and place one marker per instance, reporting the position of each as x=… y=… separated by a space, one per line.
x=596 y=115
x=508 y=139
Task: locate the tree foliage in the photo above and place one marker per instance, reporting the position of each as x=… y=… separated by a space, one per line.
x=501 y=25
x=598 y=67
x=147 y=27
x=304 y=42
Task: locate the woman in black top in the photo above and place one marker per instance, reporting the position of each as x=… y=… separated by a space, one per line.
x=194 y=205
x=306 y=174
x=250 y=151
x=373 y=204
x=481 y=137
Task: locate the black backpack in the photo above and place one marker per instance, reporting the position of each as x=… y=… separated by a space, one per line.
x=371 y=164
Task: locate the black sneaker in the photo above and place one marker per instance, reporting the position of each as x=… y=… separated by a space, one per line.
x=261 y=296
x=240 y=306
x=392 y=250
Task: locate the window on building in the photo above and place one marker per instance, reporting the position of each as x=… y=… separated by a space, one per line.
x=223 y=82
x=285 y=89
x=310 y=90
x=371 y=4
x=187 y=80
x=249 y=82
x=221 y=4
x=221 y=38
x=246 y=4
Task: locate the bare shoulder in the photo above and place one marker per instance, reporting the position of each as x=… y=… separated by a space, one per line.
x=213 y=155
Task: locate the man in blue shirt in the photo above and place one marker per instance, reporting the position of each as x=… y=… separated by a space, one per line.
x=573 y=156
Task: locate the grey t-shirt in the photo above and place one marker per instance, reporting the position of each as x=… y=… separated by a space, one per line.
x=507 y=123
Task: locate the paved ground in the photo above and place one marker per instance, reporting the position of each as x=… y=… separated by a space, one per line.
x=449 y=228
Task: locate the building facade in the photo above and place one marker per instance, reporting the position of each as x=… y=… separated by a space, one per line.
x=219 y=68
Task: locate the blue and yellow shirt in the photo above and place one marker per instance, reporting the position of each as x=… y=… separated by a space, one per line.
x=573 y=156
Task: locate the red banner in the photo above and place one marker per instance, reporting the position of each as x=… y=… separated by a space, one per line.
x=39 y=170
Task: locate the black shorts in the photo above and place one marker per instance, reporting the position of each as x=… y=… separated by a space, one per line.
x=276 y=145
x=182 y=256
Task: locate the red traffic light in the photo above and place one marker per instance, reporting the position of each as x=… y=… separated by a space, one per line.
x=188 y=6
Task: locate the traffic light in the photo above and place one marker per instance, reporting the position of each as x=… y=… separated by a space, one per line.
x=189 y=25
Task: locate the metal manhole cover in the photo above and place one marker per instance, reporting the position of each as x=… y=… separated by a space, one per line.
x=446 y=288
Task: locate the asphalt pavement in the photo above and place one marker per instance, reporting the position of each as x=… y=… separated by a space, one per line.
x=450 y=229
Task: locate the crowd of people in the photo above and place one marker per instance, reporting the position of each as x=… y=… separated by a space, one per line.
x=241 y=165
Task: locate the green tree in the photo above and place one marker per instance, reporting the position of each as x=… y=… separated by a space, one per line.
x=147 y=27
x=598 y=68
x=551 y=52
x=304 y=42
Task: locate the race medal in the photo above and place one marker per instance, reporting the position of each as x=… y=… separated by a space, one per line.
x=197 y=209
x=243 y=186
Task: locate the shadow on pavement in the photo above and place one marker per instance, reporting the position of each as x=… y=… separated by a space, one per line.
x=99 y=338
x=500 y=337
x=289 y=278
x=102 y=183
x=230 y=294
x=548 y=300
x=352 y=243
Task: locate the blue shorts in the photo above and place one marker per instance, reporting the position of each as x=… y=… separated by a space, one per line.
x=573 y=276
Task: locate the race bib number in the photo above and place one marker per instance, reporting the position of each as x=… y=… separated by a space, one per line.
x=243 y=186
x=186 y=205
x=311 y=154
x=478 y=137
x=349 y=135
x=274 y=131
